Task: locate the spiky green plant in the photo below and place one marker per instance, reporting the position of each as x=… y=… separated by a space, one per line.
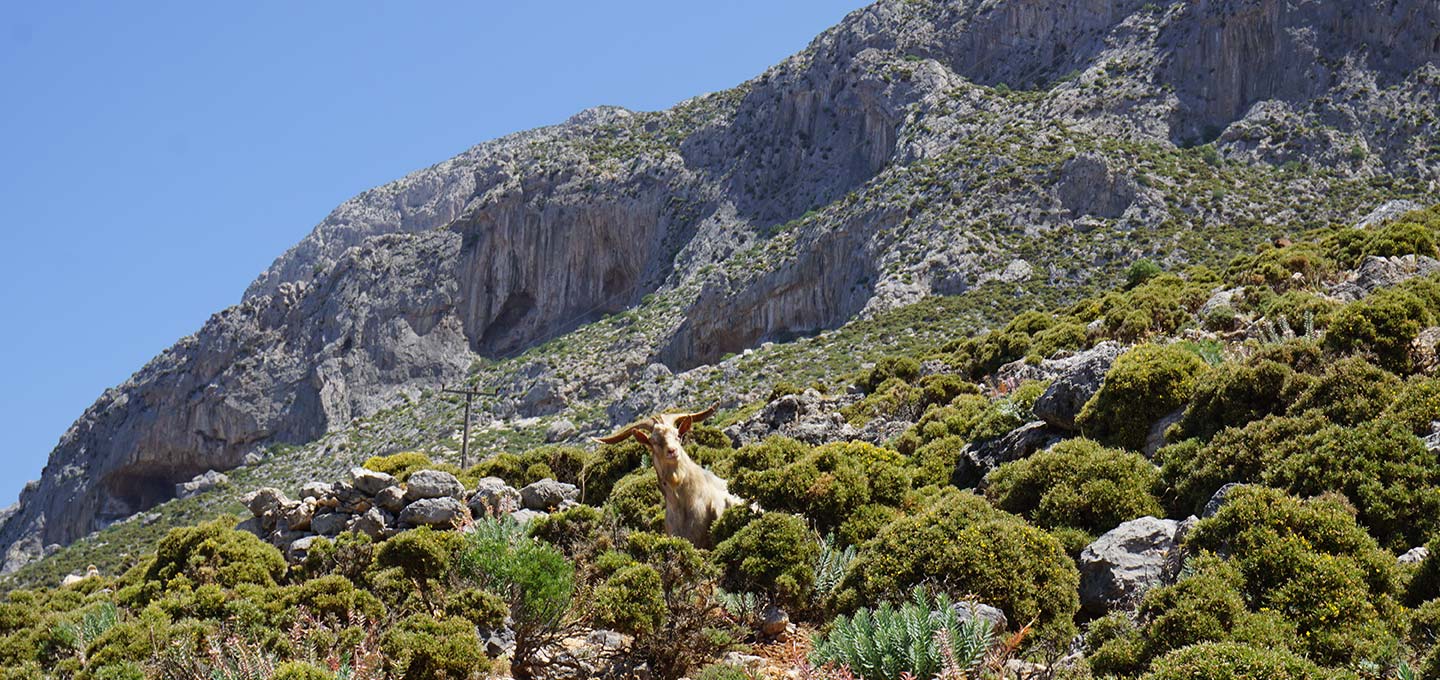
x=830 y=567
x=924 y=637
x=92 y=624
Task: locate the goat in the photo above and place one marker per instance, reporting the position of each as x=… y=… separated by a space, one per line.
x=694 y=496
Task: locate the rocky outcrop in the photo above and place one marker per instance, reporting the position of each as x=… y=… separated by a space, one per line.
x=882 y=164
x=814 y=419
x=1121 y=565
x=1077 y=378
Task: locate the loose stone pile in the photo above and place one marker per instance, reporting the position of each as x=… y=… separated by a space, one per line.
x=378 y=505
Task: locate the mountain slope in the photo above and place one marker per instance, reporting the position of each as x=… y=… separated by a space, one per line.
x=918 y=148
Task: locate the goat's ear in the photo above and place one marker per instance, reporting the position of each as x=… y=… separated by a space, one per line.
x=640 y=435
x=684 y=423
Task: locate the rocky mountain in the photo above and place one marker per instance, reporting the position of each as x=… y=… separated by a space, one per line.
x=917 y=149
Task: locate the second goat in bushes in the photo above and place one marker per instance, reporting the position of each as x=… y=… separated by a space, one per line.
x=694 y=496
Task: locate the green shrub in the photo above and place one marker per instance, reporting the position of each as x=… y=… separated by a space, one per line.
x=1234 y=394
x=1141 y=271
x=1234 y=661
x=607 y=465
x=1144 y=385
x=1416 y=405
x=1160 y=305
x=904 y=369
x=829 y=483
x=1079 y=484
x=333 y=598
x=423 y=648
x=484 y=609
x=299 y=670
x=1425 y=582
x=1275 y=267
x=966 y=547
x=424 y=554
x=399 y=465
x=721 y=671
x=1350 y=391
x=215 y=553
x=775 y=554
x=1206 y=606
x=533 y=578
x=1312 y=564
x=883 y=644
x=636 y=501
x=575 y=531
x=1382 y=325
x=693 y=629
x=1410 y=234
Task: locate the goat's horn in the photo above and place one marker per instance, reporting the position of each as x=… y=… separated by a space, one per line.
x=619 y=436
x=698 y=417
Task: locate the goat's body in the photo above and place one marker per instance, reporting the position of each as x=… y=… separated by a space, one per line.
x=694 y=499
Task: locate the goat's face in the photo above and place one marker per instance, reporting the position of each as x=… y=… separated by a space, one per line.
x=662 y=434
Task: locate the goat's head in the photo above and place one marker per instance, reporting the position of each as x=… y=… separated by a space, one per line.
x=662 y=434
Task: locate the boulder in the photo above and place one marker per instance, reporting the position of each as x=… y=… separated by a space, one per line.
x=316 y=490
x=329 y=523
x=774 y=621
x=391 y=499
x=440 y=513
x=525 y=516
x=265 y=500
x=494 y=498
x=432 y=484
x=201 y=483
x=1415 y=555
x=1376 y=272
x=297 y=516
x=1122 y=564
x=979 y=458
x=1155 y=438
x=1217 y=499
x=1077 y=378
x=560 y=430
x=369 y=482
x=299 y=548
x=372 y=523
x=547 y=494
x=252 y=525
x=969 y=610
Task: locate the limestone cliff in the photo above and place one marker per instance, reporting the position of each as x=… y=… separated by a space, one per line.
x=917 y=148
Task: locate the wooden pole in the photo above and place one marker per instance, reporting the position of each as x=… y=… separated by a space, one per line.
x=465 y=429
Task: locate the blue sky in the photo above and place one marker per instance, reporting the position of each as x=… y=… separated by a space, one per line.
x=158 y=155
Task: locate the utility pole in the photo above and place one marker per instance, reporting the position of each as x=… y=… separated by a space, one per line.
x=465 y=436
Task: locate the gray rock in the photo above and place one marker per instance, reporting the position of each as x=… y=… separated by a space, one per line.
x=298 y=515
x=372 y=523
x=369 y=482
x=1387 y=211
x=560 y=430
x=252 y=525
x=391 y=499
x=1078 y=378
x=524 y=516
x=494 y=498
x=547 y=494
x=774 y=621
x=313 y=490
x=1122 y=564
x=265 y=500
x=432 y=484
x=969 y=610
x=1217 y=499
x=978 y=458
x=252 y=459
x=299 y=548
x=1415 y=555
x=329 y=523
x=201 y=483
x=439 y=513
x=1376 y=273
x=1155 y=438
x=1220 y=299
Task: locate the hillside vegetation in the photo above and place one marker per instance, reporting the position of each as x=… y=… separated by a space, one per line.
x=1297 y=381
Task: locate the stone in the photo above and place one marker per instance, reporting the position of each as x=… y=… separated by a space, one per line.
x=560 y=430
x=391 y=499
x=369 y=482
x=746 y=662
x=329 y=523
x=439 y=513
x=1376 y=273
x=1078 y=378
x=297 y=516
x=299 y=548
x=252 y=459
x=1155 y=438
x=1217 y=499
x=265 y=500
x=201 y=483
x=252 y=525
x=978 y=458
x=494 y=498
x=1123 y=563
x=525 y=516
x=774 y=621
x=1415 y=555
x=314 y=490
x=547 y=494
x=372 y=523
x=432 y=484
x=969 y=610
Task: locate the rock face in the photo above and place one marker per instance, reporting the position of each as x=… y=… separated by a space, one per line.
x=1120 y=565
x=844 y=181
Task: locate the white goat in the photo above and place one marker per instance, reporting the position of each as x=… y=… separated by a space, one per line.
x=694 y=496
